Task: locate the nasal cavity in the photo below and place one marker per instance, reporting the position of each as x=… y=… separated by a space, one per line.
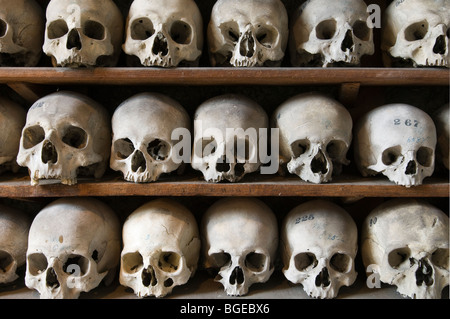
x=319 y=164
x=222 y=166
x=237 y=276
x=149 y=277
x=160 y=45
x=424 y=273
x=51 y=278
x=411 y=168
x=347 y=44
x=49 y=153
x=323 y=278
x=138 y=162
x=73 y=40
x=440 y=46
x=247 y=46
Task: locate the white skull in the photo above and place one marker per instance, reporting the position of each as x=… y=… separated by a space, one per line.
x=66 y=134
x=161 y=248
x=142 y=147
x=73 y=244
x=227 y=131
x=405 y=243
x=84 y=33
x=315 y=135
x=416 y=33
x=164 y=33
x=442 y=122
x=12 y=120
x=21 y=33
x=240 y=241
x=248 y=33
x=14 y=227
x=319 y=242
x=331 y=33
x=397 y=140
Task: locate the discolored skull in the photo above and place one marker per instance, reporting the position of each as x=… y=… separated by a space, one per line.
x=397 y=140
x=73 y=245
x=164 y=33
x=227 y=131
x=22 y=24
x=83 y=33
x=315 y=135
x=143 y=147
x=405 y=242
x=250 y=33
x=331 y=33
x=240 y=241
x=442 y=121
x=416 y=33
x=319 y=241
x=66 y=134
x=161 y=248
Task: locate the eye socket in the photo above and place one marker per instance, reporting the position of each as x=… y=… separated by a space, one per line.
x=32 y=136
x=424 y=156
x=266 y=36
x=181 y=32
x=6 y=262
x=57 y=29
x=142 y=29
x=416 y=31
x=326 y=30
x=361 y=30
x=336 y=149
x=209 y=146
x=299 y=147
x=398 y=258
x=123 y=148
x=230 y=31
x=220 y=260
x=341 y=263
x=440 y=258
x=75 y=137
x=169 y=262
x=158 y=150
x=132 y=262
x=391 y=155
x=3 y=28
x=305 y=261
x=255 y=262
x=37 y=264
x=94 y=30
x=243 y=150
x=76 y=265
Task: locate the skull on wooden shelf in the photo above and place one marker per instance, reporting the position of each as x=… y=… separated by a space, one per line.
x=442 y=121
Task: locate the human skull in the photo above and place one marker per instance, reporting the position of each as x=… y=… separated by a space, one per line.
x=161 y=248
x=442 y=122
x=143 y=147
x=21 y=33
x=12 y=120
x=405 y=243
x=14 y=227
x=83 y=33
x=397 y=140
x=248 y=33
x=73 y=245
x=227 y=130
x=164 y=33
x=240 y=241
x=66 y=134
x=416 y=33
x=315 y=135
x=319 y=242
x=331 y=33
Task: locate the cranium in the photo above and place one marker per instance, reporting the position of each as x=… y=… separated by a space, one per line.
x=14 y=227
x=416 y=33
x=164 y=33
x=21 y=33
x=161 y=248
x=142 y=147
x=73 y=245
x=227 y=130
x=331 y=33
x=315 y=135
x=319 y=241
x=240 y=241
x=248 y=33
x=397 y=140
x=405 y=243
x=442 y=122
x=84 y=33
x=66 y=134
x=12 y=120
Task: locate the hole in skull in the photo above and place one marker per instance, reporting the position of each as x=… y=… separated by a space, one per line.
x=75 y=137
x=323 y=278
x=440 y=258
x=266 y=36
x=6 y=261
x=361 y=30
x=255 y=262
x=299 y=147
x=32 y=136
x=325 y=30
x=416 y=31
x=237 y=276
x=181 y=32
x=348 y=43
x=397 y=258
x=57 y=29
x=94 y=30
x=209 y=146
x=132 y=262
x=76 y=265
x=73 y=40
x=440 y=46
x=319 y=164
x=51 y=279
x=233 y=35
x=247 y=46
x=95 y=256
x=391 y=155
x=123 y=148
x=49 y=153
x=239 y=169
x=36 y=263
x=149 y=277
x=424 y=156
x=448 y=33
x=169 y=261
x=138 y=162
x=3 y=28
x=220 y=260
x=424 y=273
x=158 y=150
x=160 y=45
x=142 y=29
x=341 y=263
x=411 y=168
x=336 y=149
x=305 y=261
x=168 y=282
x=222 y=166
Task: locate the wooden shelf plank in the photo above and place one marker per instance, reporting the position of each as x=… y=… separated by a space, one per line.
x=226 y=76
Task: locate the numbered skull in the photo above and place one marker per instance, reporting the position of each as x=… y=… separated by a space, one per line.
x=21 y=33
x=250 y=33
x=73 y=245
x=398 y=141
x=14 y=227
x=12 y=120
x=66 y=135
x=442 y=121
x=164 y=33
x=315 y=135
x=416 y=33
x=161 y=248
x=227 y=131
x=143 y=147
x=405 y=243
x=328 y=34
x=83 y=33
x=319 y=242
x=240 y=241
